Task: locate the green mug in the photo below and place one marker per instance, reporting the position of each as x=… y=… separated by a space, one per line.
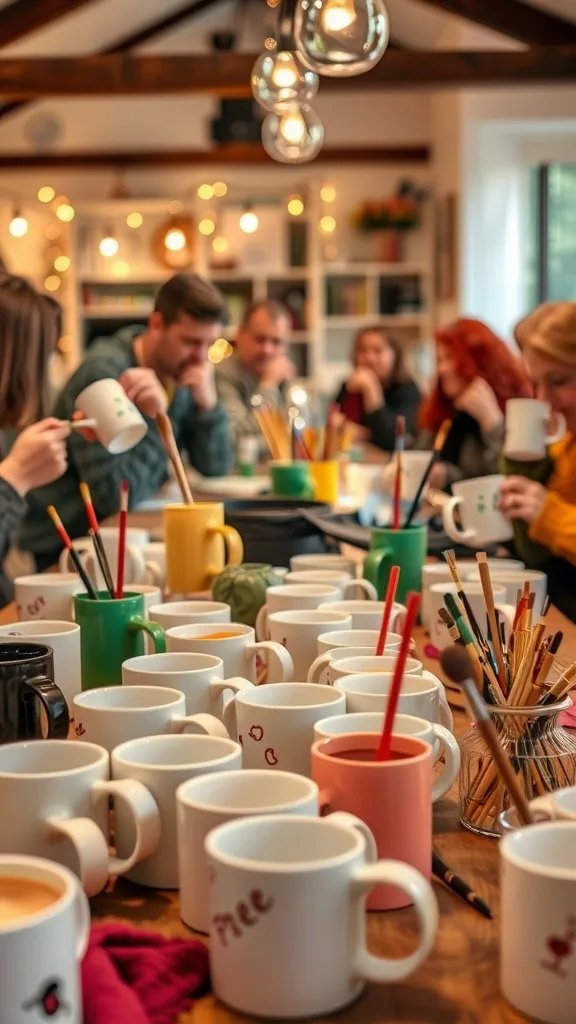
x=406 y=548
x=291 y=480
x=110 y=632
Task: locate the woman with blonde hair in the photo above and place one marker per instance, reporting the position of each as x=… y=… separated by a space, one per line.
x=29 y=331
x=547 y=339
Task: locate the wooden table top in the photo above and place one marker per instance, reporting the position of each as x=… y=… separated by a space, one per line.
x=457 y=984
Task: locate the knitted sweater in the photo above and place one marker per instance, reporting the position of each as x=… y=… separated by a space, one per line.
x=12 y=508
x=204 y=435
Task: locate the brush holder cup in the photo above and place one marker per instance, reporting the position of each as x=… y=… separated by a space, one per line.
x=542 y=753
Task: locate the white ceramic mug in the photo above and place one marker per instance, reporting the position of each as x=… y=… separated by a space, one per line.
x=298 y=632
x=55 y=796
x=210 y=800
x=41 y=951
x=161 y=764
x=185 y=613
x=538 y=920
x=319 y=671
x=419 y=696
x=119 y=424
x=112 y=715
x=346 y=584
x=414 y=465
x=47 y=595
x=441 y=740
x=324 y=561
x=275 y=723
x=514 y=581
x=200 y=677
x=287 y=901
x=477 y=501
x=238 y=651
x=292 y=597
x=439 y=635
x=374 y=664
x=368 y=614
x=528 y=433
x=557 y=806
x=136 y=568
x=438 y=572
x=64 y=639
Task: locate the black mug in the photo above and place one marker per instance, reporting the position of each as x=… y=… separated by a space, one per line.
x=26 y=687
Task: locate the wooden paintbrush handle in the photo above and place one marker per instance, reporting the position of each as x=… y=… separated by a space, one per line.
x=164 y=425
x=507 y=775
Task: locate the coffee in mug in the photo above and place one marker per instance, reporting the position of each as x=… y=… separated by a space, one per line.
x=23 y=897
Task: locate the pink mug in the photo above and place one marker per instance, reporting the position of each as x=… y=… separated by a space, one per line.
x=393 y=797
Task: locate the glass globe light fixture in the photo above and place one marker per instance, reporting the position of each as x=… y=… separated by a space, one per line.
x=280 y=77
x=292 y=134
x=341 y=38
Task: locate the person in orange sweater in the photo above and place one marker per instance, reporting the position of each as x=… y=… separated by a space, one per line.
x=547 y=339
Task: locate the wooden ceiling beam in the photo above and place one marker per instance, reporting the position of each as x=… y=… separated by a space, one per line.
x=133 y=39
x=228 y=74
x=513 y=18
x=244 y=154
x=22 y=17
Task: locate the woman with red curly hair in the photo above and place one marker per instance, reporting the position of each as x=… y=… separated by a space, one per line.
x=477 y=374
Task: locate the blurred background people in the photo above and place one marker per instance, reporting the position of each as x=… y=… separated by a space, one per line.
x=476 y=374
x=33 y=446
x=379 y=389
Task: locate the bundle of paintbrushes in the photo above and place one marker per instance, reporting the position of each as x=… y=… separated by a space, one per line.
x=513 y=671
x=275 y=429
x=112 y=588
x=286 y=436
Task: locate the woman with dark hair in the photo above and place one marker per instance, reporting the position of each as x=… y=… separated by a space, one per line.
x=379 y=389
x=29 y=331
x=477 y=374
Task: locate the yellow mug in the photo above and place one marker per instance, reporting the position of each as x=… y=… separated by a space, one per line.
x=198 y=546
x=325 y=480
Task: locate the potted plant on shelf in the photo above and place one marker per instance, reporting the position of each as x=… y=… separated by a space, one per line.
x=388 y=219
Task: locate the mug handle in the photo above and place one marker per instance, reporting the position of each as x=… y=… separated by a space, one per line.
x=91 y=850
x=317 y=667
x=367 y=588
x=445 y=711
x=560 y=429
x=54 y=703
x=155 y=573
x=393 y=872
x=135 y=569
x=451 y=752
x=261 y=626
x=375 y=566
x=144 y=810
x=200 y=725
x=280 y=664
x=153 y=629
x=64 y=564
x=232 y=542
x=546 y=811
x=449 y=523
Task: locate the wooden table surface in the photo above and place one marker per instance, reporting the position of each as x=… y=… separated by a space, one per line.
x=457 y=984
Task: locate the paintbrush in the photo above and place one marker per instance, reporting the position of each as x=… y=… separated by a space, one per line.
x=124 y=494
x=388 y=605
x=166 y=432
x=486 y=581
x=450 y=557
x=439 y=443
x=456 y=664
x=72 y=552
x=383 y=752
x=398 y=449
x=458 y=886
x=97 y=538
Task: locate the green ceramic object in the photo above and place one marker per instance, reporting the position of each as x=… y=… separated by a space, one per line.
x=406 y=548
x=291 y=480
x=110 y=632
x=244 y=588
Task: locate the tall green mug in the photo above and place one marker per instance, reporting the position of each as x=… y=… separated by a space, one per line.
x=406 y=548
x=110 y=632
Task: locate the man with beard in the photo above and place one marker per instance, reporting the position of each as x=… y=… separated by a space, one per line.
x=163 y=369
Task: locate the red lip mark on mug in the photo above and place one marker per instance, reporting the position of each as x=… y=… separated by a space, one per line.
x=241 y=741
x=79 y=729
x=561 y=947
x=256 y=732
x=270 y=756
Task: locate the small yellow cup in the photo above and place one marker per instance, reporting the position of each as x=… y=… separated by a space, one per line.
x=198 y=546
x=325 y=480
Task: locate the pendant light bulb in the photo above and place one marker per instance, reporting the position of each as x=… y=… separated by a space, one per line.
x=292 y=134
x=341 y=38
x=281 y=78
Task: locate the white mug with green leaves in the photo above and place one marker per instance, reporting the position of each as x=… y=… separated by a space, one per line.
x=480 y=521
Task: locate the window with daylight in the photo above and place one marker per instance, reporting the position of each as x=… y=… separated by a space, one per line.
x=551 y=250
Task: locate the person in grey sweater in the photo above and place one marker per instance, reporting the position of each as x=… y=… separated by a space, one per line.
x=29 y=332
x=162 y=369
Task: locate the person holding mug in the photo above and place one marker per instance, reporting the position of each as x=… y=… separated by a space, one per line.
x=547 y=339
x=28 y=340
x=477 y=374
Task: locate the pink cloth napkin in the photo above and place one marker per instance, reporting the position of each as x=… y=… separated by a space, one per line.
x=134 y=977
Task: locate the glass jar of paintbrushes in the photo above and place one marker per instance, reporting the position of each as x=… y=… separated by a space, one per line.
x=541 y=752
x=512 y=668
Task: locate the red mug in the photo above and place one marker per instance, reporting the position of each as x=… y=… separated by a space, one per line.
x=394 y=798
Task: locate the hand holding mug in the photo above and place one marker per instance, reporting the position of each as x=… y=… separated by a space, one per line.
x=521 y=498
